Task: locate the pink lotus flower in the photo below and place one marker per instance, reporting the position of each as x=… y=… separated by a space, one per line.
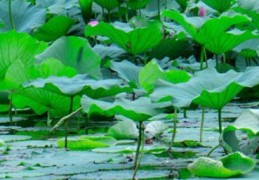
x=202 y=12
x=93 y=23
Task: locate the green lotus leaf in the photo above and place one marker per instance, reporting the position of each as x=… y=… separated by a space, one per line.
x=53 y=29
x=252 y=14
x=111 y=4
x=137 y=4
x=208 y=88
x=86 y=9
x=86 y=143
x=75 y=52
x=129 y=41
x=14 y=46
x=220 y=5
x=22 y=13
x=80 y=84
x=127 y=71
x=214 y=33
x=125 y=129
x=151 y=72
x=231 y=165
x=183 y=3
x=40 y=100
x=138 y=110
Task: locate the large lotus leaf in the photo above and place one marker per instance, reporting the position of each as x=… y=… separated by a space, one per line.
x=86 y=9
x=138 y=110
x=219 y=5
x=14 y=46
x=248 y=48
x=111 y=4
x=252 y=14
x=25 y=16
x=172 y=48
x=75 y=52
x=127 y=71
x=252 y=5
x=80 y=84
x=137 y=4
x=231 y=165
x=229 y=40
x=213 y=33
x=59 y=7
x=151 y=72
x=53 y=29
x=40 y=100
x=129 y=41
x=208 y=88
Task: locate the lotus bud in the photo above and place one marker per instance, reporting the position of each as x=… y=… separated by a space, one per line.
x=202 y=12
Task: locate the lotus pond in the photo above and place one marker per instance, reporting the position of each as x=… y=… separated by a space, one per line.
x=129 y=89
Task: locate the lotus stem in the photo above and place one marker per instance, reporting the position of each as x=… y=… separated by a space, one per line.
x=224 y=58
x=203 y=58
x=202 y=123
x=219 y=120
x=138 y=151
x=66 y=123
x=11 y=15
x=10 y=109
x=103 y=13
x=213 y=149
x=127 y=14
x=174 y=129
x=49 y=121
x=158 y=9
x=185 y=113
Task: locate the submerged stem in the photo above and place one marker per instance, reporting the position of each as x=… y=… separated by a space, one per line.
x=202 y=123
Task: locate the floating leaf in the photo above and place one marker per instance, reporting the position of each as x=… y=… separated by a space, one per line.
x=25 y=16
x=125 y=129
x=129 y=41
x=231 y=165
x=86 y=143
x=75 y=52
x=53 y=29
